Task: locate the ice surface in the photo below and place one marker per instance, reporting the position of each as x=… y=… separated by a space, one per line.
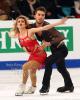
x=10 y=79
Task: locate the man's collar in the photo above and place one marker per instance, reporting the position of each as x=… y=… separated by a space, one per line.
x=44 y=23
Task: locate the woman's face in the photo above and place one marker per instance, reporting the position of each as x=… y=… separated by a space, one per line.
x=21 y=23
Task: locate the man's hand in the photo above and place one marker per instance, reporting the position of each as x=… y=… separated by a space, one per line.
x=46 y=43
x=63 y=20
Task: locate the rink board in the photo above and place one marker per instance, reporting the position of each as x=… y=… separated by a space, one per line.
x=10 y=65
x=12 y=56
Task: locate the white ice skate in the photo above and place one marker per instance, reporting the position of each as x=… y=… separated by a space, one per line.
x=31 y=90
x=20 y=90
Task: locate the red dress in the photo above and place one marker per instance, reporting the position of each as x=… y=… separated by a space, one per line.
x=35 y=54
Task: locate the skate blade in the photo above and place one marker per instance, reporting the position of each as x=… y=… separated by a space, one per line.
x=29 y=93
x=18 y=94
x=44 y=93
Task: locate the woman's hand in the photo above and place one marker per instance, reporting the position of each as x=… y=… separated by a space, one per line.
x=11 y=34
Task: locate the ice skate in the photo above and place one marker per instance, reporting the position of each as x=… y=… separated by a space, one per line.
x=65 y=89
x=44 y=90
x=31 y=90
x=20 y=90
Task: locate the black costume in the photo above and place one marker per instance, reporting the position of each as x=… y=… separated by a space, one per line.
x=59 y=52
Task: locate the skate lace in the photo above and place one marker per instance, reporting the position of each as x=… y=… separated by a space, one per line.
x=31 y=89
x=21 y=87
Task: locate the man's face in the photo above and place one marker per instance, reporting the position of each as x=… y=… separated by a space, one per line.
x=39 y=16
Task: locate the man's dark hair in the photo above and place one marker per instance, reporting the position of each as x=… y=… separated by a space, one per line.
x=40 y=9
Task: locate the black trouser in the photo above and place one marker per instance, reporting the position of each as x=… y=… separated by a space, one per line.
x=58 y=58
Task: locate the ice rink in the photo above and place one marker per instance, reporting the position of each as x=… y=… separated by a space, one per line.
x=9 y=81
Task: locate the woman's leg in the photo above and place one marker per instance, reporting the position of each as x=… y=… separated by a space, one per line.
x=32 y=66
x=33 y=77
x=25 y=73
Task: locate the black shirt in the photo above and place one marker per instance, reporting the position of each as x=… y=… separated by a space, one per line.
x=52 y=35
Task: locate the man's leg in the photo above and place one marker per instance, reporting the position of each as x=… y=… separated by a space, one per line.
x=68 y=85
x=48 y=71
x=47 y=75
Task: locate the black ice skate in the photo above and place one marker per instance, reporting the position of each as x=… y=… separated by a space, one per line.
x=44 y=91
x=65 y=89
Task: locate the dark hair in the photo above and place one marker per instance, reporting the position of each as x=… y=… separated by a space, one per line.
x=40 y=9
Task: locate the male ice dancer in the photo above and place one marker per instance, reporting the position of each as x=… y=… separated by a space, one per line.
x=59 y=51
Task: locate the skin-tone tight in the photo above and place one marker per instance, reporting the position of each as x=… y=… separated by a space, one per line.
x=32 y=66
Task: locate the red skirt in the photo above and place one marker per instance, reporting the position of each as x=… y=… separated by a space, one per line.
x=39 y=57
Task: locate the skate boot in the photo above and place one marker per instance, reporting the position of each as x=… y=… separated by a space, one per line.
x=31 y=90
x=44 y=90
x=20 y=90
x=65 y=89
